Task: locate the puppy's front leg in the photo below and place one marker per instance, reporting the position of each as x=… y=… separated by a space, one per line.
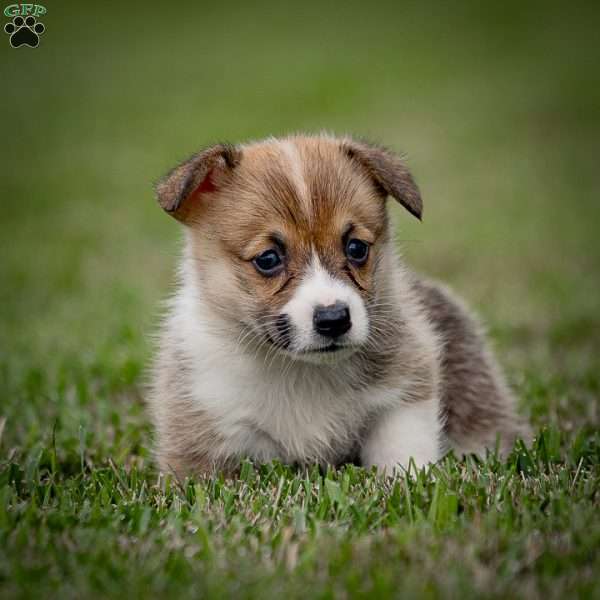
x=408 y=431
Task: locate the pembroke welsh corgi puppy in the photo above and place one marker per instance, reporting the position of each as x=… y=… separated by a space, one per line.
x=297 y=334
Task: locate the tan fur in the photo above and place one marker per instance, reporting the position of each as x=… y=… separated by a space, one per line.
x=305 y=221
x=309 y=191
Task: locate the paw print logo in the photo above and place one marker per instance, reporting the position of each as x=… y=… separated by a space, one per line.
x=24 y=32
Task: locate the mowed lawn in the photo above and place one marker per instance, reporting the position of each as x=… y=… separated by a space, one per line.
x=498 y=112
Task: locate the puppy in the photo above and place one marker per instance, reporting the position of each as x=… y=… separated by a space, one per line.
x=297 y=334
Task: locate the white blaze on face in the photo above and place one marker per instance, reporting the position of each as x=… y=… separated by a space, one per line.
x=319 y=288
x=295 y=170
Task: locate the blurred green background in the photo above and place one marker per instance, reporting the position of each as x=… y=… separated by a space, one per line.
x=496 y=106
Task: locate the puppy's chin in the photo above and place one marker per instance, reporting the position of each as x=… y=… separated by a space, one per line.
x=322 y=356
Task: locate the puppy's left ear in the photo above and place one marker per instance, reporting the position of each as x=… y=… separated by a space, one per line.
x=388 y=172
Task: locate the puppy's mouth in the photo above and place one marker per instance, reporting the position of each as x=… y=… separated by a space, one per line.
x=333 y=347
x=330 y=353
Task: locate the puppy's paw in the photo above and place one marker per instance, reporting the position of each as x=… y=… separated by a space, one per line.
x=405 y=438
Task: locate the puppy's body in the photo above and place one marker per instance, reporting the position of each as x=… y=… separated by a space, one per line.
x=325 y=358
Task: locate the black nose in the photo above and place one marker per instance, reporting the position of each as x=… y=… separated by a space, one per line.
x=332 y=321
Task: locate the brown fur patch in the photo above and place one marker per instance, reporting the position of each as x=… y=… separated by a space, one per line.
x=390 y=173
x=178 y=190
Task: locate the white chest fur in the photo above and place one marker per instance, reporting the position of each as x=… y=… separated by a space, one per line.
x=270 y=408
x=278 y=410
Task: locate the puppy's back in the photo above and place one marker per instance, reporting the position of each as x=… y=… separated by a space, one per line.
x=477 y=402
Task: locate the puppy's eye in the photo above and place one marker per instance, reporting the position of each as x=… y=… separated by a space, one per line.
x=268 y=263
x=357 y=251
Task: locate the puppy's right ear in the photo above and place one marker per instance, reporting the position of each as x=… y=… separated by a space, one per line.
x=183 y=188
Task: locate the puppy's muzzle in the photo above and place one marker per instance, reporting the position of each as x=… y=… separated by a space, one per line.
x=332 y=321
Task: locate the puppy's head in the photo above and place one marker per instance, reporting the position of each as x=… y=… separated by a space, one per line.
x=289 y=237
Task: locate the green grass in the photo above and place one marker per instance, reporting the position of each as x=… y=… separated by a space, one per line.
x=497 y=109
x=465 y=529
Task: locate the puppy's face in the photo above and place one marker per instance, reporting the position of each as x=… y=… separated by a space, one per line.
x=289 y=236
